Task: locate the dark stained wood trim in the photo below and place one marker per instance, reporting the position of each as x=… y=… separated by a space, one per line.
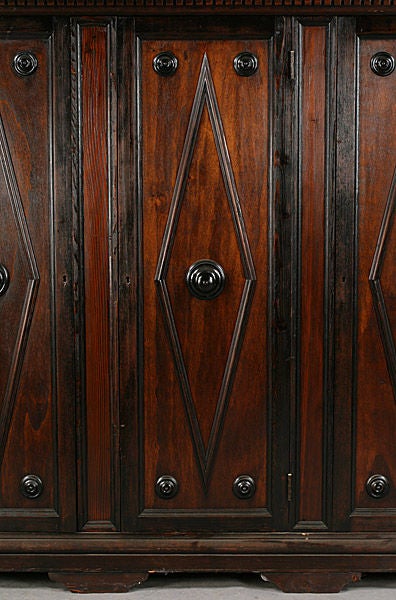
x=345 y=277
x=159 y=562
x=325 y=544
x=138 y=148
x=205 y=27
x=19 y=27
x=34 y=519
x=153 y=7
x=366 y=26
x=128 y=248
x=78 y=267
x=63 y=266
x=329 y=300
x=281 y=239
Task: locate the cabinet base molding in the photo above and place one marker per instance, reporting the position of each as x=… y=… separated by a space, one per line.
x=90 y=583
x=311 y=582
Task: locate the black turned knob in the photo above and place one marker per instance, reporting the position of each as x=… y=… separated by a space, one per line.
x=25 y=64
x=31 y=486
x=165 y=64
x=4 y=280
x=205 y=279
x=245 y=64
x=377 y=486
x=166 y=487
x=244 y=487
x=382 y=64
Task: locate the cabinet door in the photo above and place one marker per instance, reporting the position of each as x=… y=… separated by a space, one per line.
x=36 y=378
x=375 y=305
x=205 y=275
x=367 y=427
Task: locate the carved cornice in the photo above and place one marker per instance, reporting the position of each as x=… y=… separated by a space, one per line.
x=185 y=6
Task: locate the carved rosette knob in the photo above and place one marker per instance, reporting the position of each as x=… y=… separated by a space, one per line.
x=165 y=64
x=31 y=486
x=244 y=487
x=245 y=64
x=205 y=279
x=25 y=64
x=382 y=64
x=377 y=486
x=166 y=487
x=4 y=280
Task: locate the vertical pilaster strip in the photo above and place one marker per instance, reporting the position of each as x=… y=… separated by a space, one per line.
x=282 y=238
x=63 y=264
x=315 y=302
x=129 y=244
x=97 y=191
x=345 y=269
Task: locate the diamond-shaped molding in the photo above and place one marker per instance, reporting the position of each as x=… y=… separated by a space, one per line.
x=384 y=325
x=205 y=94
x=32 y=284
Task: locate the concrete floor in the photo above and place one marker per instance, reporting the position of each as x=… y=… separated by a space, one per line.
x=194 y=587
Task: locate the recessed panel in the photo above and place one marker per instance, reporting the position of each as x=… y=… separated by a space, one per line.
x=205 y=197
x=376 y=290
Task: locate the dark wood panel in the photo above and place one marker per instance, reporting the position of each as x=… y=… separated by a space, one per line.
x=36 y=379
x=315 y=224
x=200 y=397
x=375 y=302
x=100 y=402
x=28 y=387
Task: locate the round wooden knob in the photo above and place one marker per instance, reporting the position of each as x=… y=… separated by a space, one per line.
x=165 y=64
x=205 y=279
x=32 y=486
x=244 y=487
x=245 y=64
x=382 y=64
x=4 y=280
x=166 y=487
x=25 y=63
x=377 y=486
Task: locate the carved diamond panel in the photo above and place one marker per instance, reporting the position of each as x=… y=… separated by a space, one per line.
x=205 y=100
x=376 y=271
x=17 y=305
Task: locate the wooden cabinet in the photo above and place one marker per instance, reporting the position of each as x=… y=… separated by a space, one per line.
x=197 y=292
